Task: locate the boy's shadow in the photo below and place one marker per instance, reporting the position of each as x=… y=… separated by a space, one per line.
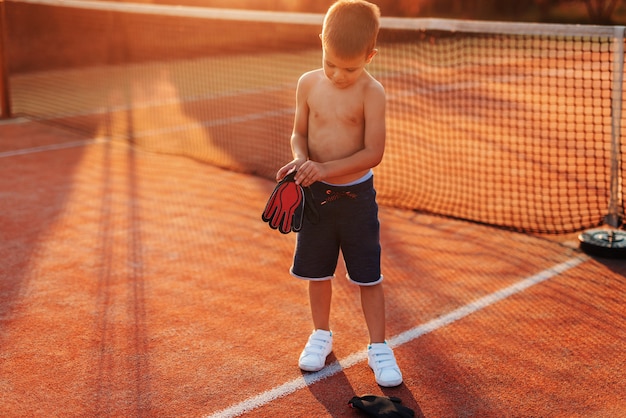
x=334 y=392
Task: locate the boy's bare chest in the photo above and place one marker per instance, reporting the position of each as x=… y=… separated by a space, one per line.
x=336 y=106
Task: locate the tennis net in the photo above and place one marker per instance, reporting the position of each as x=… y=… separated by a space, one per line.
x=515 y=125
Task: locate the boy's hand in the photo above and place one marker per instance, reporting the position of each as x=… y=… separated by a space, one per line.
x=310 y=172
x=288 y=169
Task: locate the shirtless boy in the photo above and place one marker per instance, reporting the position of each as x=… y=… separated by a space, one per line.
x=338 y=137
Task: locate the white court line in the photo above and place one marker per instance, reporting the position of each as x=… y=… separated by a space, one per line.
x=13 y=121
x=52 y=147
x=403 y=338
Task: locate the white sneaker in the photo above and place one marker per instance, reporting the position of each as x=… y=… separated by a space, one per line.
x=319 y=346
x=383 y=363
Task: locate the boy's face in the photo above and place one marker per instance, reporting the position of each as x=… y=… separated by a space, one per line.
x=344 y=72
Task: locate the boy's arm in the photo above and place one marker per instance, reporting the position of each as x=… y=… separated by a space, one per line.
x=299 y=136
x=373 y=144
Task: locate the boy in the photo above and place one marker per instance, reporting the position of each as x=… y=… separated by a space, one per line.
x=338 y=137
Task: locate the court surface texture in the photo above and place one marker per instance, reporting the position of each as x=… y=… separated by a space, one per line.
x=136 y=284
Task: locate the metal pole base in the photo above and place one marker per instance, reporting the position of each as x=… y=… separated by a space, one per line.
x=607 y=243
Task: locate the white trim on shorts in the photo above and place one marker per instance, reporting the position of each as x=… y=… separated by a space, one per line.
x=326 y=278
x=380 y=279
x=313 y=279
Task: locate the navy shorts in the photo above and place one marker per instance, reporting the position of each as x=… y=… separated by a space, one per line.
x=348 y=221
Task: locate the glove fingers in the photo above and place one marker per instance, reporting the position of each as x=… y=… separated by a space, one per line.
x=296 y=213
x=285 y=208
x=276 y=221
x=291 y=198
x=298 y=218
x=271 y=207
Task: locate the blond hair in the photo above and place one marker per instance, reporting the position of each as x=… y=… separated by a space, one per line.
x=351 y=27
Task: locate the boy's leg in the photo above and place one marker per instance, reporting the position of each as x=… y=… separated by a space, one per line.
x=380 y=356
x=320 y=295
x=373 y=305
x=320 y=343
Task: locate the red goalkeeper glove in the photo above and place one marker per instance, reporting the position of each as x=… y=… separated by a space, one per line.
x=285 y=208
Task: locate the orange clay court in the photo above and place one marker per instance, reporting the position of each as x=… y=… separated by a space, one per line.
x=138 y=279
x=135 y=284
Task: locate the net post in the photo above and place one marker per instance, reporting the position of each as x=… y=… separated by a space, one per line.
x=614 y=216
x=610 y=242
x=5 y=101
